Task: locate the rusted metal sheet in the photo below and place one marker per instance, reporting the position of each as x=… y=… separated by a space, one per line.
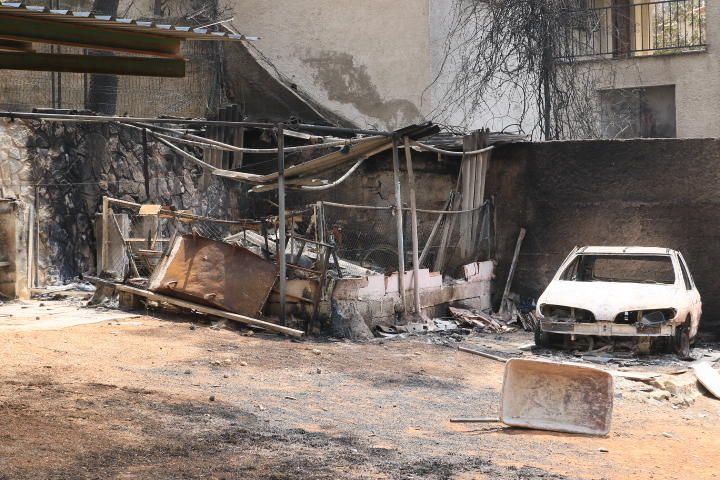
x=215 y=273
x=557 y=396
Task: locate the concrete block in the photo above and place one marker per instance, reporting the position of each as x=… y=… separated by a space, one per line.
x=479 y=271
x=427 y=280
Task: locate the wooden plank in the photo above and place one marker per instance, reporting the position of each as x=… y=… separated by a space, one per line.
x=134 y=66
x=211 y=311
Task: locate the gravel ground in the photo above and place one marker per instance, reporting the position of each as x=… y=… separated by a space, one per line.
x=153 y=398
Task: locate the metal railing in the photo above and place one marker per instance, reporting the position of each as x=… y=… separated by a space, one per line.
x=633 y=29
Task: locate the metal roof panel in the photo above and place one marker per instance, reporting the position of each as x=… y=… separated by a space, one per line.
x=187 y=33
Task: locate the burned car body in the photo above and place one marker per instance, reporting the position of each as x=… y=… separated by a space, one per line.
x=644 y=292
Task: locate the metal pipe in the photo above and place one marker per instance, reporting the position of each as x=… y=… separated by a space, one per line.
x=184 y=121
x=414 y=226
x=399 y=224
x=105 y=258
x=281 y=221
x=430 y=148
x=389 y=207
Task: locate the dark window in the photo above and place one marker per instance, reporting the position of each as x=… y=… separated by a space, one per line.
x=621 y=268
x=638 y=112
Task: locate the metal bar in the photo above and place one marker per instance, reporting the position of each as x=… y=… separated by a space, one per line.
x=281 y=221
x=513 y=267
x=115 y=65
x=399 y=225
x=105 y=252
x=14 y=27
x=210 y=311
x=476 y=420
x=211 y=144
x=146 y=164
x=183 y=121
x=390 y=207
x=433 y=232
x=483 y=354
x=414 y=226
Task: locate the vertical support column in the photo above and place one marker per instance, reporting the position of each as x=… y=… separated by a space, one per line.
x=239 y=157
x=413 y=221
x=146 y=164
x=281 y=220
x=399 y=222
x=105 y=252
x=320 y=222
x=31 y=260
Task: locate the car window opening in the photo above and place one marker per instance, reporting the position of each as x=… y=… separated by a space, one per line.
x=653 y=269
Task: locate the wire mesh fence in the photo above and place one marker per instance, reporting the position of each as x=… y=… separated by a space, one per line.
x=367 y=236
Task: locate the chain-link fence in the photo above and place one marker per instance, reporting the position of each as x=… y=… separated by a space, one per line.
x=367 y=236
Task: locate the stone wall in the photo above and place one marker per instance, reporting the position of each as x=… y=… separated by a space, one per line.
x=65 y=169
x=623 y=192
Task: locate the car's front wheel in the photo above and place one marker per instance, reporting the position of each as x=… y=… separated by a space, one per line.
x=681 y=341
x=542 y=339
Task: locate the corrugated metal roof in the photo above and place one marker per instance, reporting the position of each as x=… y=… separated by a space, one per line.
x=126 y=24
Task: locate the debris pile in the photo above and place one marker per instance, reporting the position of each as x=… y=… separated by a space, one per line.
x=480 y=320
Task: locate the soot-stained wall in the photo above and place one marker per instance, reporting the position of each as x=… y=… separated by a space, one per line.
x=63 y=170
x=616 y=192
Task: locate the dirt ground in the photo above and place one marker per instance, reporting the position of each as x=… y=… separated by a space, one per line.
x=163 y=398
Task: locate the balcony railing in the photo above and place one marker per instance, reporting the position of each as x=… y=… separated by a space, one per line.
x=633 y=29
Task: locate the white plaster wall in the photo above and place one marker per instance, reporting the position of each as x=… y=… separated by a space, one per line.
x=366 y=60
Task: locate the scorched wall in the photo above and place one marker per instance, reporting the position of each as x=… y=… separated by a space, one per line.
x=631 y=192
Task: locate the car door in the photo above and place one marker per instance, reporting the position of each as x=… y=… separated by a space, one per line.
x=693 y=296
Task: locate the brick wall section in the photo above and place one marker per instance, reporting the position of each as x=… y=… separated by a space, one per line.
x=632 y=192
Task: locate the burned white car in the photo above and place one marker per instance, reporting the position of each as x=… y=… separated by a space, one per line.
x=601 y=293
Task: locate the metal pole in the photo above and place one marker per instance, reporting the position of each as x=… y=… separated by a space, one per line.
x=179 y=121
x=281 y=220
x=413 y=221
x=399 y=222
x=105 y=258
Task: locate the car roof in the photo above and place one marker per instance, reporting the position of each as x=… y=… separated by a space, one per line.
x=627 y=250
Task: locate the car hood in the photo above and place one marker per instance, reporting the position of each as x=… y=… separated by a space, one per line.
x=606 y=299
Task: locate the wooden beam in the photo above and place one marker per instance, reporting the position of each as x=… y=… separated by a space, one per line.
x=15 y=46
x=138 y=66
x=15 y=27
x=210 y=311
